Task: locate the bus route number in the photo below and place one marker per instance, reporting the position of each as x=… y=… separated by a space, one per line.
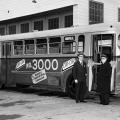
x=47 y=64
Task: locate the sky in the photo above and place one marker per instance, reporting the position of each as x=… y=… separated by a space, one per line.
x=16 y=8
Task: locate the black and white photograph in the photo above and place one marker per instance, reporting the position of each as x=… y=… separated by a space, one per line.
x=59 y=59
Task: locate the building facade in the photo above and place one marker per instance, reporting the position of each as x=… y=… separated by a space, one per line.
x=56 y=14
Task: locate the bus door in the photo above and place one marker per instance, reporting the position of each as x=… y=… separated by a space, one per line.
x=6 y=59
x=102 y=44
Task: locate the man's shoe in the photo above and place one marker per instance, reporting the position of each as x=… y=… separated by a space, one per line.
x=101 y=103
x=77 y=101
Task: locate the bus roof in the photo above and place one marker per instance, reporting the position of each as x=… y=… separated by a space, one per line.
x=63 y=31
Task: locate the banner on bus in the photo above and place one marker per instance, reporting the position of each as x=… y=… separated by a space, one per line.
x=68 y=64
x=39 y=76
x=20 y=64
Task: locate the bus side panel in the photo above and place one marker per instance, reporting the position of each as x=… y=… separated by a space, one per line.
x=2 y=71
x=5 y=72
x=23 y=70
x=9 y=79
x=67 y=75
x=117 y=81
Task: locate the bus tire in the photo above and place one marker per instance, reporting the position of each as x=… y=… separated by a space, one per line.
x=70 y=87
x=2 y=86
x=21 y=85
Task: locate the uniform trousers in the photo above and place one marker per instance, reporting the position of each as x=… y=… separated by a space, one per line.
x=80 y=91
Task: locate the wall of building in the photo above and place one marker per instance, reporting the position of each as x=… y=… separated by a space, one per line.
x=80 y=12
x=110 y=11
x=61 y=13
x=11 y=8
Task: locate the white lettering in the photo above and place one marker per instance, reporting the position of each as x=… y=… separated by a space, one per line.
x=47 y=64
x=40 y=64
x=54 y=64
x=34 y=64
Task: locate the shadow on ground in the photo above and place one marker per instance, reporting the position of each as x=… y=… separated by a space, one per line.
x=10 y=117
x=40 y=92
x=37 y=91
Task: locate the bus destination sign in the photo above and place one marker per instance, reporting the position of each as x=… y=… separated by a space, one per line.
x=69 y=38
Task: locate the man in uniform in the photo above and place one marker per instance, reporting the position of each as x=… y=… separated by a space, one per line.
x=79 y=75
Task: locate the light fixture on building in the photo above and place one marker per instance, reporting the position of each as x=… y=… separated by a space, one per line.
x=34 y=1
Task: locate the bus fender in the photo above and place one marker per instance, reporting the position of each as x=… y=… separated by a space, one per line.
x=67 y=75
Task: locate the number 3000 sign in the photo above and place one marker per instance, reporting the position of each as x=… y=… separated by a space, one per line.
x=45 y=64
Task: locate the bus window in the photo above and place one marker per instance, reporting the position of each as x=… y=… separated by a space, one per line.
x=29 y=47
x=81 y=40
x=105 y=45
x=68 y=47
x=18 y=47
x=55 y=45
x=8 y=49
x=41 y=46
x=3 y=49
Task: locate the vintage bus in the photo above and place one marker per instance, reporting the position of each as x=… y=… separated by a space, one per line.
x=45 y=59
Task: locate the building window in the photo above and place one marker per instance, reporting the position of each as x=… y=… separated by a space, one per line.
x=12 y=29
x=118 y=14
x=53 y=23
x=2 y=30
x=96 y=10
x=24 y=27
x=69 y=21
x=38 y=25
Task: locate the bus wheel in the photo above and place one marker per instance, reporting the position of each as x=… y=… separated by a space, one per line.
x=70 y=87
x=2 y=86
x=21 y=86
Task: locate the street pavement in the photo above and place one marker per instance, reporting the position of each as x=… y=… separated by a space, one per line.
x=36 y=104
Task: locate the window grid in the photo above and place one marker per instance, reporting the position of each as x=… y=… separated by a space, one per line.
x=69 y=21
x=95 y=12
x=2 y=31
x=12 y=29
x=53 y=23
x=38 y=25
x=24 y=27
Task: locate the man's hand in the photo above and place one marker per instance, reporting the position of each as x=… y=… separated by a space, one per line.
x=76 y=81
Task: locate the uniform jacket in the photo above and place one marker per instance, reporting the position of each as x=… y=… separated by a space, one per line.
x=104 y=78
x=79 y=71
